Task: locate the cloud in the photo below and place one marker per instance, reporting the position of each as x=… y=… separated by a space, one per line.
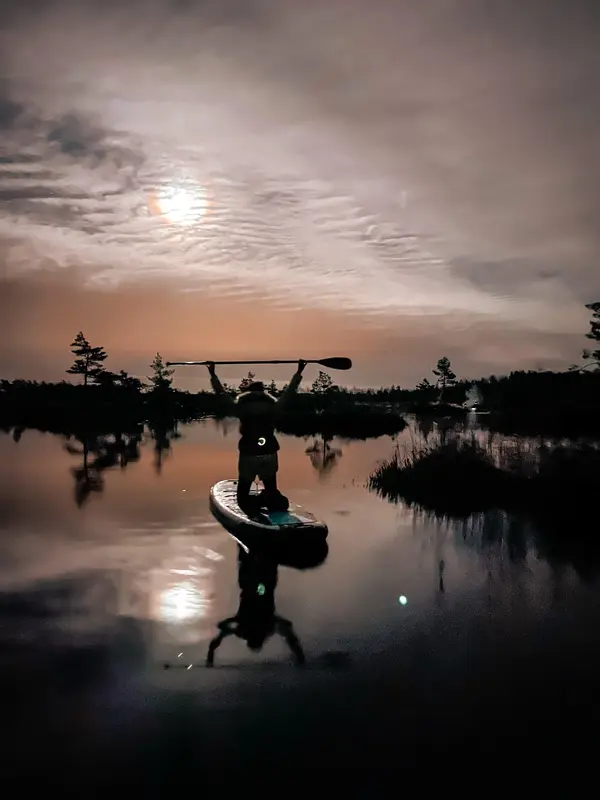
x=389 y=161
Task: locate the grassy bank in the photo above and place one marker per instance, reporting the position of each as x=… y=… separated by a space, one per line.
x=463 y=476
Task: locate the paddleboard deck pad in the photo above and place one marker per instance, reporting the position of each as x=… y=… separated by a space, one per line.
x=296 y=522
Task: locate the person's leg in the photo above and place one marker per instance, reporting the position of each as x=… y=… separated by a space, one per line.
x=246 y=473
x=270 y=484
x=268 y=475
x=267 y=472
x=243 y=492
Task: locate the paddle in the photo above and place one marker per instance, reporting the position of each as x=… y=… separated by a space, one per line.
x=330 y=363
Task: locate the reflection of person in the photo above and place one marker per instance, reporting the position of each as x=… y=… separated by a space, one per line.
x=256 y=620
x=258 y=445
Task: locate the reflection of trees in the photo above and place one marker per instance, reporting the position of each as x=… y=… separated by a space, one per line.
x=99 y=453
x=162 y=435
x=425 y=426
x=225 y=424
x=510 y=537
x=323 y=456
x=17 y=433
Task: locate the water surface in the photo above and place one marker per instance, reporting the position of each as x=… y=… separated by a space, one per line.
x=419 y=636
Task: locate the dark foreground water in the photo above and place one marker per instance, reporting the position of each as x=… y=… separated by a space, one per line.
x=426 y=644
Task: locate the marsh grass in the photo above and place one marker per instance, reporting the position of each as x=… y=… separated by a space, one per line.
x=462 y=474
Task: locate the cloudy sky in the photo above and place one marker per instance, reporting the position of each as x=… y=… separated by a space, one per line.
x=392 y=181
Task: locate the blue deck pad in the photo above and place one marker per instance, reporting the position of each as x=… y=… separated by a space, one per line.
x=283 y=518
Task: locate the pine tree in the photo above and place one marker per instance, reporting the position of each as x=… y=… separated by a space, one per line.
x=322 y=384
x=593 y=356
x=107 y=379
x=110 y=380
x=444 y=374
x=160 y=380
x=424 y=386
x=88 y=361
x=130 y=382
x=272 y=388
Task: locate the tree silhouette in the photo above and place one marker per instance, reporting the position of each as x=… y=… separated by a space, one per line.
x=245 y=382
x=445 y=376
x=107 y=379
x=593 y=356
x=322 y=384
x=426 y=391
x=160 y=380
x=121 y=379
x=130 y=382
x=89 y=359
x=272 y=387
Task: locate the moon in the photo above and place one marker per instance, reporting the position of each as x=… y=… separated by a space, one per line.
x=179 y=205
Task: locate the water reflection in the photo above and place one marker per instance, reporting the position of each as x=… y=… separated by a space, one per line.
x=182 y=593
x=513 y=538
x=100 y=453
x=92 y=606
x=323 y=456
x=256 y=620
x=425 y=426
x=162 y=435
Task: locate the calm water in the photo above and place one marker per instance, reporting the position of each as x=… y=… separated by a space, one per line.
x=492 y=648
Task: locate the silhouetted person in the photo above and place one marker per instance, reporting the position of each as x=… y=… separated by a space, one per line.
x=258 y=446
x=256 y=620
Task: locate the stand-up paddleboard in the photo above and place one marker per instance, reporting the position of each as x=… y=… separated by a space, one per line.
x=265 y=527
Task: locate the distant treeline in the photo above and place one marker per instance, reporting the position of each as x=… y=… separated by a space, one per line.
x=64 y=406
x=526 y=397
x=519 y=392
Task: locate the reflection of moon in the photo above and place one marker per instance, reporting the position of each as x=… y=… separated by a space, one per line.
x=184 y=602
x=180 y=206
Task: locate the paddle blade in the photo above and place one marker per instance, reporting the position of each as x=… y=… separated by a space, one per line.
x=336 y=363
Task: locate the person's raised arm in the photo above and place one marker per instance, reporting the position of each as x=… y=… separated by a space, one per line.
x=219 y=389
x=292 y=388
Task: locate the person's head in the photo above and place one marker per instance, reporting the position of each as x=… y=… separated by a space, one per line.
x=255 y=640
x=256 y=393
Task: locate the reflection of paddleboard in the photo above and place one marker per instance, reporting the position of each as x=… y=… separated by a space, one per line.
x=266 y=527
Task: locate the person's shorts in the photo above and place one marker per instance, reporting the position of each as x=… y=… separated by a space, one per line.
x=265 y=466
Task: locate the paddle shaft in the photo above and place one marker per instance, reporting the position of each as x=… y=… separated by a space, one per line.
x=333 y=363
